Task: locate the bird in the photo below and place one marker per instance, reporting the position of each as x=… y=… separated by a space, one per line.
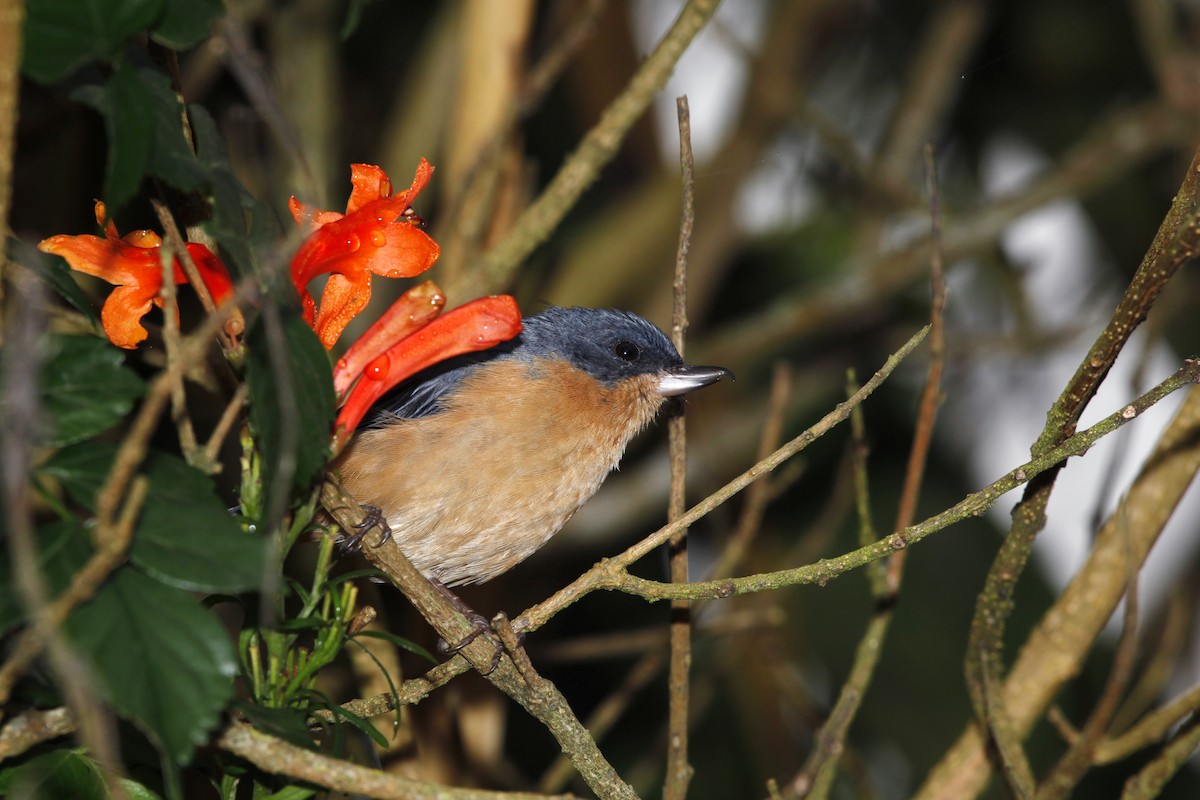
x=474 y=463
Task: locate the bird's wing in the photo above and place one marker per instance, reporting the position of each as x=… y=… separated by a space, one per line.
x=424 y=393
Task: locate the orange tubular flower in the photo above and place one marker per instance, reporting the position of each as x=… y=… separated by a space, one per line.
x=477 y=325
x=377 y=234
x=133 y=265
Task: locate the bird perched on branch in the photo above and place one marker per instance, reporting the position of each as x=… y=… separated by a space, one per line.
x=475 y=463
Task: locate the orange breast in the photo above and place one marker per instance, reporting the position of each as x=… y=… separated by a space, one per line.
x=475 y=489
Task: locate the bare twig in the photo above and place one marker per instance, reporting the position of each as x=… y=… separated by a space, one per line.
x=679 y=771
x=1055 y=650
x=595 y=150
x=1176 y=243
x=281 y=758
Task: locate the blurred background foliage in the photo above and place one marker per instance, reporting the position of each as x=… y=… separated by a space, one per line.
x=810 y=250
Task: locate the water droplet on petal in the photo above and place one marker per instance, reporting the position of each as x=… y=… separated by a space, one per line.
x=378 y=369
x=378 y=238
x=352 y=243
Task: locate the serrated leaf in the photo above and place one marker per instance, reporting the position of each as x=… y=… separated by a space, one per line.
x=86 y=388
x=162 y=660
x=186 y=536
x=63 y=548
x=64 y=773
x=186 y=23
x=55 y=273
x=291 y=398
x=143 y=120
x=62 y=35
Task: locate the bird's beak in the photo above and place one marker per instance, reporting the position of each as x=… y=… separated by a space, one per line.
x=682 y=379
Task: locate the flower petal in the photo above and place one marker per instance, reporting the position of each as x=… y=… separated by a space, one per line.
x=344 y=296
x=370 y=183
x=122 y=314
x=414 y=309
x=477 y=325
x=111 y=259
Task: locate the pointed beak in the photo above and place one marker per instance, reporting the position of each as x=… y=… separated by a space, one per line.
x=684 y=378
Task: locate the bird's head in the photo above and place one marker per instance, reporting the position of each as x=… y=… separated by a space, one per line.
x=611 y=346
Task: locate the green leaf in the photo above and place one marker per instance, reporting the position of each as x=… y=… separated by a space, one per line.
x=81 y=469
x=186 y=23
x=186 y=536
x=62 y=35
x=361 y=723
x=63 y=548
x=162 y=660
x=86 y=389
x=291 y=399
x=64 y=773
x=144 y=121
x=53 y=270
x=400 y=642
x=239 y=220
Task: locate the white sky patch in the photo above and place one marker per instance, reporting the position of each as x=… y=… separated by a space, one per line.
x=712 y=72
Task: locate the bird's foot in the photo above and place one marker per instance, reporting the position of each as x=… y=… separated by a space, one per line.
x=479 y=626
x=374 y=518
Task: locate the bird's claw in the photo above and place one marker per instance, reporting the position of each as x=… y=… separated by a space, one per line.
x=479 y=626
x=373 y=518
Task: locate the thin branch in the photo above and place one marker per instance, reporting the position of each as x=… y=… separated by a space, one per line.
x=281 y=758
x=1118 y=143
x=1150 y=728
x=611 y=574
x=594 y=151
x=603 y=574
x=1176 y=242
x=1150 y=779
x=679 y=771
x=1081 y=754
x=169 y=296
x=1056 y=649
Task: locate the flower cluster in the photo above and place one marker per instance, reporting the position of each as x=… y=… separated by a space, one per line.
x=377 y=235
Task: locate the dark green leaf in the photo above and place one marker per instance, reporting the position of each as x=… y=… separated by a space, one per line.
x=161 y=659
x=64 y=773
x=291 y=399
x=61 y=35
x=57 y=275
x=86 y=389
x=186 y=23
x=398 y=641
x=285 y=723
x=143 y=120
x=362 y=724
x=63 y=548
x=239 y=220
x=81 y=469
x=187 y=538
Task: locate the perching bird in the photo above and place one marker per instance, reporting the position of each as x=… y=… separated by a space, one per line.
x=475 y=463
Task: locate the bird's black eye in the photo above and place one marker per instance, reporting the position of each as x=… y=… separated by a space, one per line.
x=627 y=350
